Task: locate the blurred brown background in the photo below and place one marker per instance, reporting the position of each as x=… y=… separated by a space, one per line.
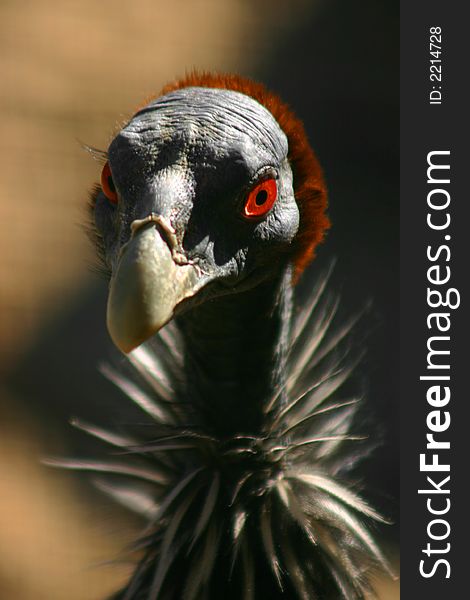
x=71 y=72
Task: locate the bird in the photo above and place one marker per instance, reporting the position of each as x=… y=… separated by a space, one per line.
x=210 y=208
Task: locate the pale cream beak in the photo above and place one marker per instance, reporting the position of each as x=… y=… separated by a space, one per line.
x=146 y=287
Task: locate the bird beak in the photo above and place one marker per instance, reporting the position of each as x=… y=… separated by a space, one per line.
x=148 y=283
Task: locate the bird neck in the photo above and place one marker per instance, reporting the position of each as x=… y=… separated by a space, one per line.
x=234 y=352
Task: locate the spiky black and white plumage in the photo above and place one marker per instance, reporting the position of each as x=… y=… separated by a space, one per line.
x=241 y=473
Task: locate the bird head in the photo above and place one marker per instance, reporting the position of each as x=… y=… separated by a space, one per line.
x=210 y=189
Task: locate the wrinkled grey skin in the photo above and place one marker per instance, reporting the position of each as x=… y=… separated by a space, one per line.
x=191 y=157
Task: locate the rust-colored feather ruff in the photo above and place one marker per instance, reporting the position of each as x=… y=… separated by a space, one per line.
x=309 y=185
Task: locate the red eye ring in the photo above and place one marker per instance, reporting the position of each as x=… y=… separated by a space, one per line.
x=107 y=184
x=261 y=199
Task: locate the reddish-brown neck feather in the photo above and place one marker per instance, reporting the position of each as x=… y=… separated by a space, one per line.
x=309 y=185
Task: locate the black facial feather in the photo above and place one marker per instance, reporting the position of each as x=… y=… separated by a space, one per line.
x=101 y=267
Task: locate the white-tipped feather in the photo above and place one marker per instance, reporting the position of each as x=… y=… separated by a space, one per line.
x=111 y=438
x=263 y=515
x=123 y=469
x=333 y=488
x=135 y=500
x=152 y=370
x=135 y=393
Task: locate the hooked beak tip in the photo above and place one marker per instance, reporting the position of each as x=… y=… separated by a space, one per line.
x=145 y=288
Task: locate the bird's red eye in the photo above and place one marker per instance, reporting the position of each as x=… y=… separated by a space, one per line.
x=107 y=184
x=260 y=200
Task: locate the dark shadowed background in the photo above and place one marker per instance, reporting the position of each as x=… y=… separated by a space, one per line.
x=73 y=71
